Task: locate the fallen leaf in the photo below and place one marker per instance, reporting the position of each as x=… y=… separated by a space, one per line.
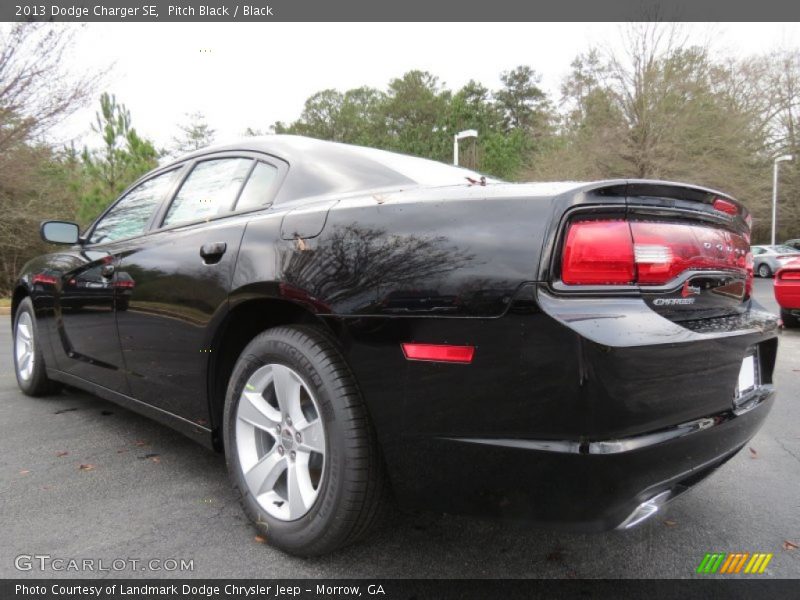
x=62 y=453
x=787 y=545
x=753 y=453
x=140 y=443
x=24 y=472
x=86 y=467
x=557 y=555
x=669 y=523
x=121 y=450
x=151 y=456
x=260 y=539
x=155 y=459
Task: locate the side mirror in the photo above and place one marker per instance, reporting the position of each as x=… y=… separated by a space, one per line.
x=60 y=232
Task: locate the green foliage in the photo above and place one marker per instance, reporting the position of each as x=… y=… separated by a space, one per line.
x=195 y=134
x=417 y=115
x=123 y=157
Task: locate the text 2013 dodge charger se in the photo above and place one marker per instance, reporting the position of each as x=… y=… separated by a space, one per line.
x=348 y=323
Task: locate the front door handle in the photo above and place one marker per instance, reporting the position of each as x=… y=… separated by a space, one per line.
x=212 y=252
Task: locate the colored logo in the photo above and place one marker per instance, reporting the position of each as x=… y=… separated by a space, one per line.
x=732 y=563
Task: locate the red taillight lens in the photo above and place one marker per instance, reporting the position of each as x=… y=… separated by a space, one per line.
x=646 y=253
x=598 y=252
x=793 y=275
x=725 y=206
x=439 y=352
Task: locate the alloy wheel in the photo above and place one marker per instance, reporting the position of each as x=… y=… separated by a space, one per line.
x=24 y=346
x=280 y=441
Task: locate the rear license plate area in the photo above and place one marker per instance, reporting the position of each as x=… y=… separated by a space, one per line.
x=749 y=378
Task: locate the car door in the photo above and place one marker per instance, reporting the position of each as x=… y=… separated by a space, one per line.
x=86 y=329
x=182 y=272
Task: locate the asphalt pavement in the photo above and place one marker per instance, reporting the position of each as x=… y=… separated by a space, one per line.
x=81 y=478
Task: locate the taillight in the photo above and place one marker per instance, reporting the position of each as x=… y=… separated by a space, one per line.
x=725 y=206
x=616 y=252
x=793 y=275
x=598 y=252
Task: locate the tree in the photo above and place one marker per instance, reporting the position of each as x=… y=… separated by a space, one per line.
x=195 y=134
x=523 y=103
x=36 y=89
x=36 y=92
x=123 y=157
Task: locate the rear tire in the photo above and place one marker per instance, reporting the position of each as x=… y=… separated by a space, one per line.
x=789 y=320
x=29 y=364
x=309 y=438
x=764 y=271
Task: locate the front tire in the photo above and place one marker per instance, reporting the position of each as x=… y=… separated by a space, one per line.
x=789 y=320
x=29 y=364
x=299 y=444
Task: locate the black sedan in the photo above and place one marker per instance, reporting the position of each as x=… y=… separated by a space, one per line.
x=352 y=326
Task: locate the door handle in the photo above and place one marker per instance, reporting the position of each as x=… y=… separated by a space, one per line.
x=107 y=271
x=212 y=252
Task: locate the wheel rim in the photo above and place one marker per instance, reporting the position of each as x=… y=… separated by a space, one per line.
x=24 y=346
x=280 y=441
x=763 y=270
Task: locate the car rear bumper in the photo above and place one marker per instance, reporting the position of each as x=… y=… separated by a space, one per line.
x=573 y=413
x=594 y=486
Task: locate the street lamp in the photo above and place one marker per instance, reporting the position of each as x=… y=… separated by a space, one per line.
x=780 y=159
x=461 y=135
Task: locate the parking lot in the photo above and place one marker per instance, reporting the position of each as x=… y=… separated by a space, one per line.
x=83 y=478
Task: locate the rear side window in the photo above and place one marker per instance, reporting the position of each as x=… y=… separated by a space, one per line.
x=210 y=189
x=257 y=190
x=132 y=213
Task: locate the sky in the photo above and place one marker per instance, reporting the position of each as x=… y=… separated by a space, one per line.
x=251 y=75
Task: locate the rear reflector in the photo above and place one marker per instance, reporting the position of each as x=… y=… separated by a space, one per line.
x=617 y=252
x=439 y=352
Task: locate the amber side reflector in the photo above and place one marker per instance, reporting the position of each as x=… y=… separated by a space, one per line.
x=439 y=352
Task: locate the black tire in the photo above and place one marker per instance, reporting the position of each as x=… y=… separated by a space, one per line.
x=764 y=271
x=37 y=384
x=789 y=320
x=353 y=489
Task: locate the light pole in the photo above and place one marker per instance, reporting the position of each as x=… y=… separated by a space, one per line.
x=461 y=135
x=780 y=159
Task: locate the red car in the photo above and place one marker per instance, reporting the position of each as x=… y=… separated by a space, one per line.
x=787 y=293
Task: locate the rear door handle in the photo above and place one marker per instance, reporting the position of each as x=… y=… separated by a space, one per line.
x=212 y=252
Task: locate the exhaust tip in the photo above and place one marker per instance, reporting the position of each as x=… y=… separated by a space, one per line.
x=646 y=510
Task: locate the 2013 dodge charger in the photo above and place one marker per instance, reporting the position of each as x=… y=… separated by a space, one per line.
x=349 y=324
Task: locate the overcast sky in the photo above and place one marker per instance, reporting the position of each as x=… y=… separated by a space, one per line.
x=251 y=75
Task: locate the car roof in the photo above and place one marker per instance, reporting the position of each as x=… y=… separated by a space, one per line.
x=320 y=167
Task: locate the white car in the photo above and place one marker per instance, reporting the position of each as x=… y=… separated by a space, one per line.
x=768 y=259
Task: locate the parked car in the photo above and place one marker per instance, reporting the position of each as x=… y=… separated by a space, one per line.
x=793 y=244
x=787 y=293
x=576 y=354
x=768 y=259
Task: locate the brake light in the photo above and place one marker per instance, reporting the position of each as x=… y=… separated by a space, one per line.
x=646 y=253
x=598 y=252
x=793 y=275
x=725 y=206
x=439 y=352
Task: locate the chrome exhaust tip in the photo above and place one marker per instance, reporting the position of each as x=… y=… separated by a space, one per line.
x=646 y=510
